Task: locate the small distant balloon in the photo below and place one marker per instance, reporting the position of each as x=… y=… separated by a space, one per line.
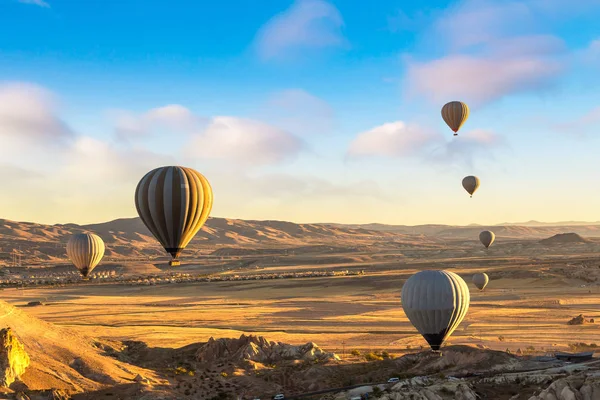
x=455 y=113
x=487 y=238
x=435 y=302
x=470 y=183
x=480 y=280
x=85 y=250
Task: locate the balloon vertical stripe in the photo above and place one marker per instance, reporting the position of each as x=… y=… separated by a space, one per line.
x=174 y=203
x=85 y=250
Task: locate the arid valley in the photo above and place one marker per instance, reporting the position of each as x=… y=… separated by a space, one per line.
x=334 y=285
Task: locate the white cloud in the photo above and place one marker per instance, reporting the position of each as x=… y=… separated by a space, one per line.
x=392 y=139
x=169 y=119
x=306 y=24
x=30 y=112
x=400 y=140
x=40 y=3
x=481 y=79
x=493 y=51
x=244 y=141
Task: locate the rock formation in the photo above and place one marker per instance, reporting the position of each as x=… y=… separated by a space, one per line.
x=579 y=320
x=13 y=358
x=259 y=349
x=563 y=238
x=572 y=388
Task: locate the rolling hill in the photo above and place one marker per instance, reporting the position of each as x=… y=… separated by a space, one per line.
x=128 y=238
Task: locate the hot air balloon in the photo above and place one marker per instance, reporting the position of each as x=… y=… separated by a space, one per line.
x=455 y=114
x=487 y=238
x=85 y=250
x=470 y=183
x=480 y=280
x=174 y=203
x=435 y=302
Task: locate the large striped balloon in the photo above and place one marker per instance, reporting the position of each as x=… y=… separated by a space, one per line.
x=174 y=203
x=85 y=250
x=455 y=113
x=435 y=302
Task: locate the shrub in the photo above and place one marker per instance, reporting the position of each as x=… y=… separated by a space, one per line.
x=501 y=338
x=355 y=353
x=373 y=357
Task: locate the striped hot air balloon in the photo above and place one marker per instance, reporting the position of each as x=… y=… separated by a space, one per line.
x=85 y=250
x=455 y=113
x=435 y=302
x=174 y=203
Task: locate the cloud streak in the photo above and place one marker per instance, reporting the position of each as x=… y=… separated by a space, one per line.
x=244 y=141
x=398 y=139
x=306 y=24
x=40 y=3
x=492 y=52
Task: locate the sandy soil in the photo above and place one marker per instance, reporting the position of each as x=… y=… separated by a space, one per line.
x=528 y=305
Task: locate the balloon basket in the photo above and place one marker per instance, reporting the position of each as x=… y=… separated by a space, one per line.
x=174 y=263
x=436 y=353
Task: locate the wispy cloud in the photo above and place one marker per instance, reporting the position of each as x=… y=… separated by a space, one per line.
x=401 y=140
x=493 y=50
x=244 y=141
x=40 y=3
x=173 y=117
x=581 y=126
x=306 y=24
x=392 y=139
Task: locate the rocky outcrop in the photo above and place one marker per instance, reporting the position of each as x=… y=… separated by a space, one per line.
x=259 y=349
x=562 y=238
x=423 y=388
x=572 y=388
x=580 y=320
x=13 y=358
x=457 y=360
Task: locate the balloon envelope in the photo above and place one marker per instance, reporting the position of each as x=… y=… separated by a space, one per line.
x=480 y=280
x=470 y=183
x=487 y=238
x=435 y=302
x=85 y=250
x=455 y=113
x=174 y=203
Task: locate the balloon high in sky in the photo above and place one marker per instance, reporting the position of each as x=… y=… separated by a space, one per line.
x=85 y=250
x=471 y=184
x=174 y=203
x=455 y=114
x=435 y=302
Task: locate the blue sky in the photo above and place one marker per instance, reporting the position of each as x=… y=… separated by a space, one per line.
x=306 y=110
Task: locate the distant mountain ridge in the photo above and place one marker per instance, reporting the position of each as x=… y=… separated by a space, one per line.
x=128 y=238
